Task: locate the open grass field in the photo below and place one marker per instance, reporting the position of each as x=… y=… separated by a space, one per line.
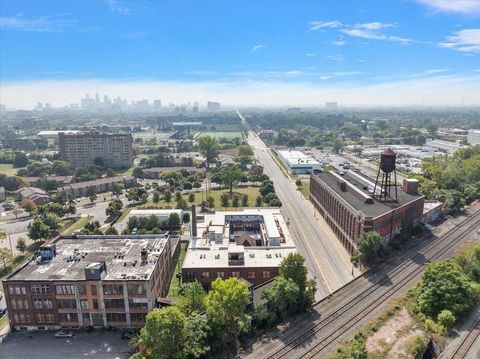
x=218 y=134
x=251 y=191
x=8 y=169
x=79 y=224
x=174 y=287
x=306 y=189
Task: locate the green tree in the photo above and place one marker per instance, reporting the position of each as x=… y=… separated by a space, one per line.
x=117 y=189
x=29 y=206
x=138 y=173
x=111 y=231
x=70 y=209
x=235 y=201
x=52 y=221
x=156 y=197
x=432 y=128
x=230 y=175
x=225 y=199
x=211 y=202
x=283 y=295
x=182 y=204
x=114 y=208
x=259 y=201
x=367 y=246
x=446 y=318
x=443 y=286
x=170 y=334
x=245 y=200
x=207 y=146
x=38 y=230
x=192 y=298
x=92 y=193
x=174 y=221
x=98 y=161
x=167 y=196
x=299 y=183
x=20 y=160
x=191 y=197
x=21 y=245
x=226 y=305
x=186 y=217
x=245 y=150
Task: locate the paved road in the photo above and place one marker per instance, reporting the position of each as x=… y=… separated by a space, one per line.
x=324 y=255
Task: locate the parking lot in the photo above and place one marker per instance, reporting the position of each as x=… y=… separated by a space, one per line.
x=44 y=345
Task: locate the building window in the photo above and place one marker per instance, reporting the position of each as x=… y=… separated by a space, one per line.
x=81 y=289
x=94 y=289
x=95 y=304
x=114 y=303
x=17 y=290
x=116 y=317
x=138 y=317
x=221 y=274
x=42 y=304
x=84 y=304
x=132 y=304
x=251 y=275
x=68 y=317
x=113 y=289
x=205 y=274
x=137 y=288
x=40 y=289
x=67 y=289
x=236 y=274
x=66 y=303
x=266 y=274
x=41 y=318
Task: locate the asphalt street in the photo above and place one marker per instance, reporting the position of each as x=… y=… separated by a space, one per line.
x=325 y=258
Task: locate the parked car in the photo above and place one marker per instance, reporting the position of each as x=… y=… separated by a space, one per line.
x=134 y=231
x=129 y=334
x=8 y=206
x=64 y=334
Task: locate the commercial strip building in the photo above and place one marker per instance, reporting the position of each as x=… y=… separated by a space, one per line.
x=298 y=162
x=346 y=200
x=248 y=244
x=79 y=189
x=161 y=214
x=82 y=149
x=97 y=281
x=53 y=135
x=473 y=137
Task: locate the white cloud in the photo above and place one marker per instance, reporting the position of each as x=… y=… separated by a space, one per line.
x=115 y=6
x=339 y=42
x=258 y=47
x=335 y=57
x=441 y=91
x=467 y=40
x=310 y=55
x=460 y=6
x=317 y=25
x=371 y=30
x=54 y=23
x=434 y=71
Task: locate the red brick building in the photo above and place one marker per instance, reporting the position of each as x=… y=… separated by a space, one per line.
x=346 y=201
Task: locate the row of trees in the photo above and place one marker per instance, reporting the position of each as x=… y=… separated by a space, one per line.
x=200 y=323
x=447 y=291
x=454 y=180
x=153 y=223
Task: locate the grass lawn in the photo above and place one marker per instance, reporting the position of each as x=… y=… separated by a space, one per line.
x=218 y=134
x=79 y=224
x=8 y=169
x=174 y=287
x=129 y=171
x=306 y=189
x=124 y=214
x=250 y=191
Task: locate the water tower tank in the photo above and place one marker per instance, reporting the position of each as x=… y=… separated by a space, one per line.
x=387 y=160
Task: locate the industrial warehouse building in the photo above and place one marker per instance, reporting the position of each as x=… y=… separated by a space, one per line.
x=97 y=281
x=298 y=162
x=248 y=244
x=353 y=203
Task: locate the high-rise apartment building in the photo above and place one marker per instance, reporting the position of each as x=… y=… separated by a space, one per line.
x=80 y=150
x=213 y=106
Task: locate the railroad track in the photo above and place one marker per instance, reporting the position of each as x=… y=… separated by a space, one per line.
x=406 y=272
x=467 y=342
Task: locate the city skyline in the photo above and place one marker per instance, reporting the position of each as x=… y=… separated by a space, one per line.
x=404 y=53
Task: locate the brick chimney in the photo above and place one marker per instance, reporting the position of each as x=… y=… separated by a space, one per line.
x=410 y=185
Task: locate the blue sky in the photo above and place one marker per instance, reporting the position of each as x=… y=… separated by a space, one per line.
x=261 y=53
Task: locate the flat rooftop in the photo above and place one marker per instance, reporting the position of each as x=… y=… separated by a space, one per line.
x=359 y=190
x=203 y=252
x=121 y=255
x=297 y=157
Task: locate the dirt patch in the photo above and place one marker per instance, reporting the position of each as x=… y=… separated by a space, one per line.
x=393 y=338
